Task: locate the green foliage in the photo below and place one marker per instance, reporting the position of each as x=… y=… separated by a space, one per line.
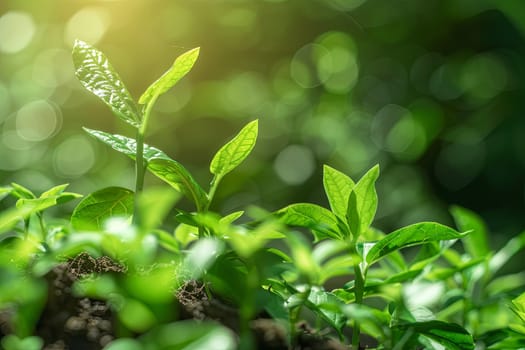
x=98 y=76
x=409 y=289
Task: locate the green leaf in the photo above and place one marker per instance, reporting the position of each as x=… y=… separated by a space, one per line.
x=235 y=152
x=476 y=243
x=507 y=252
x=190 y=335
x=230 y=218
x=160 y=164
x=21 y=192
x=50 y=198
x=99 y=206
x=328 y=306
x=420 y=233
x=178 y=70
x=321 y=221
x=97 y=75
x=173 y=173
x=450 y=335
x=5 y=191
x=362 y=203
x=126 y=145
x=337 y=187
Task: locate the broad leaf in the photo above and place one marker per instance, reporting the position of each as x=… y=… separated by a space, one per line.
x=362 y=203
x=476 y=243
x=99 y=206
x=98 y=76
x=125 y=145
x=337 y=187
x=411 y=235
x=450 y=335
x=235 y=152
x=173 y=173
x=321 y=221
x=178 y=70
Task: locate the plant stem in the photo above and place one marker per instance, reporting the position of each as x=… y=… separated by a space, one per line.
x=140 y=164
x=359 y=291
x=213 y=188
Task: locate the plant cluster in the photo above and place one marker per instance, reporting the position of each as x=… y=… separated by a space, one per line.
x=327 y=266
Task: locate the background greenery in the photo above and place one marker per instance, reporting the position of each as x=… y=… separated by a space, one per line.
x=432 y=90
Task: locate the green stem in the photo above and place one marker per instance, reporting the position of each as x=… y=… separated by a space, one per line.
x=140 y=164
x=359 y=288
x=213 y=188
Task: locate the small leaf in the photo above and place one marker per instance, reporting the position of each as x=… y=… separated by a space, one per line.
x=450 y=335
x=98 y=76
x=173 y=173
x=230 y=218
x=321 y=221
x=337 y=187
x=362 y=203
x=234 y=152
x=178 y=70
x=507 y=252
x=99 y=206
x=21 y=192
x=125 y=145
x=476 y=243
x=411 y=235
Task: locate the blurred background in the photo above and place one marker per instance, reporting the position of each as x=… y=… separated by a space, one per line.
x=431 y=90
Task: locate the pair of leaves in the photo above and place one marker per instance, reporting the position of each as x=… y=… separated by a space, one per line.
x=175 y=174
x=353 y=207
x=355 y=203
x=162 y=166
x=97 y=75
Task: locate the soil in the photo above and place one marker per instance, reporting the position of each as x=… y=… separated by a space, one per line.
x=69 y=322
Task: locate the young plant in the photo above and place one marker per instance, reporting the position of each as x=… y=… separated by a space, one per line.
x=98 y=76
x=353 y=206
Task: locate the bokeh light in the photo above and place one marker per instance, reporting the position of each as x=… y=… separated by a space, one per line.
x=89 y=24
x=16 y=31
x=430 y=90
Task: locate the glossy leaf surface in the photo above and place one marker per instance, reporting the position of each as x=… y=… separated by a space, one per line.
x=97 y=75
x=125 y=144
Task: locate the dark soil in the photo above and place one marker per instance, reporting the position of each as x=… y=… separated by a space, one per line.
x=69 y=322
